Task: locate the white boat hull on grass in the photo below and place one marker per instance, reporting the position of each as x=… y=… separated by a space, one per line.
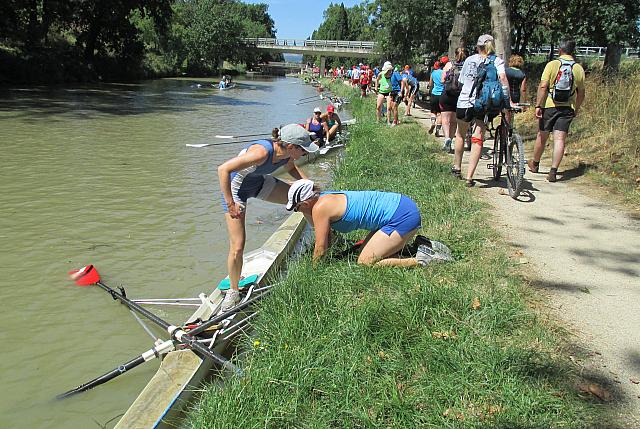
x=162 y=401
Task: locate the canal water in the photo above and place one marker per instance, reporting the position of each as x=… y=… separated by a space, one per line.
x=100 y=174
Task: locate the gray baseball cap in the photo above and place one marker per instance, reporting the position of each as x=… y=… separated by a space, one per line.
x=295 y=134
x=484 y=39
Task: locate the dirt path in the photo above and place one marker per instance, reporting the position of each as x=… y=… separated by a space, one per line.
x=585 y=255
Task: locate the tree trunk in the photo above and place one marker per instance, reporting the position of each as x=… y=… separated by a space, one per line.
x=33 y=31
x=459 y=28
x=501 y=27
x=612 y=58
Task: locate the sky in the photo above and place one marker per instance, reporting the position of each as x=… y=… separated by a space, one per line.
x=297 y=19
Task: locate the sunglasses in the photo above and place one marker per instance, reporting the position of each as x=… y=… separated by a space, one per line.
x=318 y=113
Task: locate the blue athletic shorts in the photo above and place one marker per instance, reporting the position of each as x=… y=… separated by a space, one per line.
x=405 y=219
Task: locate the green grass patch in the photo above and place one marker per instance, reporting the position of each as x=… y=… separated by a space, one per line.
x=445 y=346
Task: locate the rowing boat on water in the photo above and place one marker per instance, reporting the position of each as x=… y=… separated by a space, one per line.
x=182 y=371
x=340 y=141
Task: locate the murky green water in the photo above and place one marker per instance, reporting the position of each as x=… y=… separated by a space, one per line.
x=100 y=174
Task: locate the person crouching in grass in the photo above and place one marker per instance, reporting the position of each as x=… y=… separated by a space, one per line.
x=392 y=219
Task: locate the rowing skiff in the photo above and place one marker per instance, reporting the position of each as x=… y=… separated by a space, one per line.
x=161 y=402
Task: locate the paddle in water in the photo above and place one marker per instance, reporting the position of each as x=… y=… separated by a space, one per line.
x=217 y=144
x=218 y=136
x=88 y=275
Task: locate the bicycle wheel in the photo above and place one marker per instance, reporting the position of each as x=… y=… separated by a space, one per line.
x=515 y=165
x=497 y=153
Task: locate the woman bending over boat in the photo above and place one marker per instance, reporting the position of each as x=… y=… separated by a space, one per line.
x=249 y=175
x=392 y=220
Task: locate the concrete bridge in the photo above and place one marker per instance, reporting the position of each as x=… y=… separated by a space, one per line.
x=324 y=48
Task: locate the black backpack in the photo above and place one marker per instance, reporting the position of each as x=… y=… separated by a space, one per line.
x=452 y=84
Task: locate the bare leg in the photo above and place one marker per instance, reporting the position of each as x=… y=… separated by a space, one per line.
x=380 y=246
x=379 y=102
x=476 y=149
x=538 y=148
x=237 y=237
x=461 y=131
x=559 y=139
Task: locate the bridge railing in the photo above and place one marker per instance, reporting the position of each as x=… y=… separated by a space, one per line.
x=342 y=44
x=586 y=51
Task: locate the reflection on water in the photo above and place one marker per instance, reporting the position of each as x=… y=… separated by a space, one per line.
x=101 y=174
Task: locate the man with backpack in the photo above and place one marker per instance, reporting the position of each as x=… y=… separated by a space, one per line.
x=485 y=91
x=560 y=95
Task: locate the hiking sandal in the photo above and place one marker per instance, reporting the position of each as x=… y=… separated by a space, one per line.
x=470 y=183
x=456 y=173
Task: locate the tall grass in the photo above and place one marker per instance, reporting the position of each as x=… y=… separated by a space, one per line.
x=446 y=346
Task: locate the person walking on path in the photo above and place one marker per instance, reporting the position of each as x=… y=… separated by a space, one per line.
x=449 y=98
x=560 y=95
x=383 y=87
x=465 y=110
x=436 y=86
x=249 y=175
x=392 y=219
x=395 y=96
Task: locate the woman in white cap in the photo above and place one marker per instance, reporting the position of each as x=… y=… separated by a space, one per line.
x=392 y=220
x=316 y=124
x=383 y=86
x=465 y=112
x=249 y=175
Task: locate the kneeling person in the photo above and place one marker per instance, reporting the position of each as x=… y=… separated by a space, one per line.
x=392 y=220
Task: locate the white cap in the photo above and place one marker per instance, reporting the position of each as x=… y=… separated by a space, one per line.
x=295 y=134
x=317 y=110
x=387 y=66
x=484 y=39
x=301 y=190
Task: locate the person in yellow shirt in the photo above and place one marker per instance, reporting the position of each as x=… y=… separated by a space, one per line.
x=560 y=95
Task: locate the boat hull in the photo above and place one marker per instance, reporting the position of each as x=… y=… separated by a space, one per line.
x=182 y=372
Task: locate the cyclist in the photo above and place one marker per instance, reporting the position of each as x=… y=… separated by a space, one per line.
x=554 y=112
x=449 y=99
x=465 y=112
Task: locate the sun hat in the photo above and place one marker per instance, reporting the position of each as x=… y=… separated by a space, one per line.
x=330 y=108
x=301 y=190
x=387 y=67
x=297 y=135
x=484 y=39
x=386 y=63
x=317 y=110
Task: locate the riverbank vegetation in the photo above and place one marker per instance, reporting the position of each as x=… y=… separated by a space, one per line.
x=69 y=41
x=451 y=345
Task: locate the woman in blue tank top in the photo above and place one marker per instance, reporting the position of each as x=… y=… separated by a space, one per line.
x=392 y=220
x=318 y=125
x=249 y=175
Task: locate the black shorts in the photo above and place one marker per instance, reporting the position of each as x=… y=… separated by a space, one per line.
x=556 y=119
x=435 y=103
x=364 y=86
x=396 y=97
x=469 y=113
x=447 y=104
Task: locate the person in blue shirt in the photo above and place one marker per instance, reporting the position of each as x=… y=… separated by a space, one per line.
x=392 y=219
x=395 y=96
x=436 y=85
x=250 y=175
x=410 y=86
x=376 y=71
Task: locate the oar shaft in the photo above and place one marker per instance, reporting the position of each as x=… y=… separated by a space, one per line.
x=222 y=316
x=220 y=143
x=241 y=136
x=177 y=333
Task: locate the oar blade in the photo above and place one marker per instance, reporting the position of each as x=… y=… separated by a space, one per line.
x=199 y=145
x=85 y=276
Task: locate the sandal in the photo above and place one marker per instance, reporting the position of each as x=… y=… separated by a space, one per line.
x=533 y=165
x=470 y=183
x=456 y=173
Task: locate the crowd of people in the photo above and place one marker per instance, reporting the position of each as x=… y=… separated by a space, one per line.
x=465 y=91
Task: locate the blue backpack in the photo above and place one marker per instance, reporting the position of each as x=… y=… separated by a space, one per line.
x=487 y=87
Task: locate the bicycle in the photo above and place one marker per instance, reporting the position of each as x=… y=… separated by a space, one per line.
x=508 y=150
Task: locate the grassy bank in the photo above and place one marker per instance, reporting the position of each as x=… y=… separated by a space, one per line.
x=445 y=346
x=603 y=141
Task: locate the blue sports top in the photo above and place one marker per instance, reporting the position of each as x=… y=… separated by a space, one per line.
x=249 y=181
x=370 y=210
x=438 y=85
x=396 y=81
x=411 y=79
x=316 y=128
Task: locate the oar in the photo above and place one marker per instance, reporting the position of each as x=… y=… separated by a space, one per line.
x=218 y=136
x=305 y=102
x=306 y=98
x=160 y=349
x=217 y=144
x=89 y=275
